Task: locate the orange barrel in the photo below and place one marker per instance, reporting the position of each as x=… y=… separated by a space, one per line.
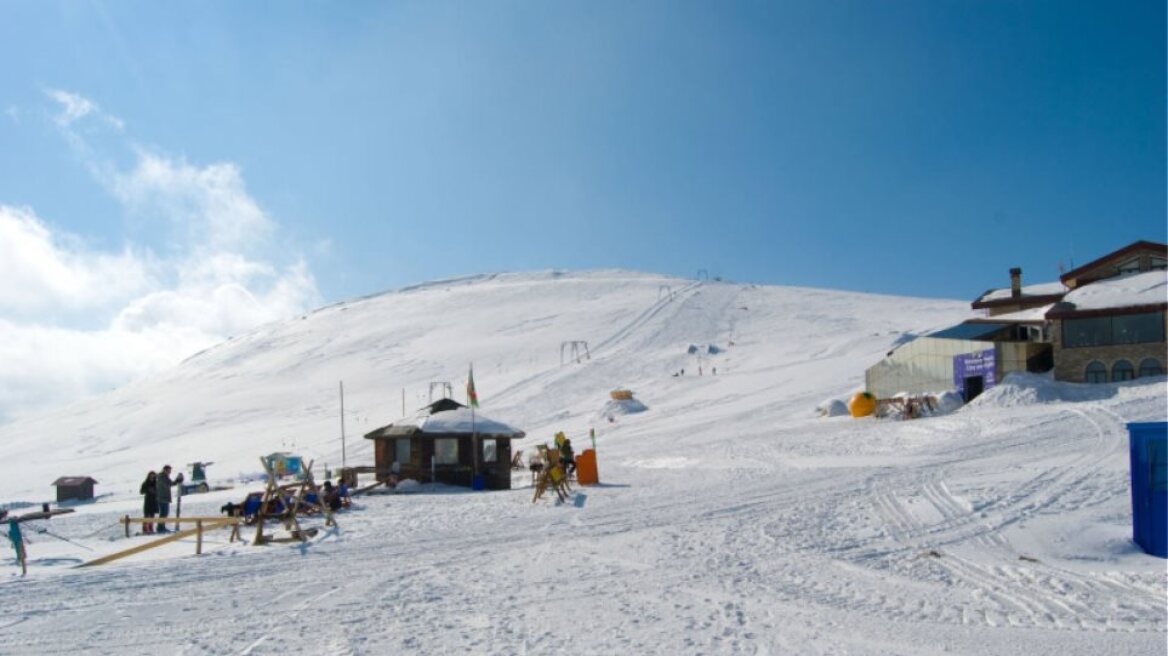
x=586 y=468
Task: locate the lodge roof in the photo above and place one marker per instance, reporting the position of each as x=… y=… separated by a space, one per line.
x=1134 y=247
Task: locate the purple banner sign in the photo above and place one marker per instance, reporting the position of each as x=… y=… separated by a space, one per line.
x=968 y=365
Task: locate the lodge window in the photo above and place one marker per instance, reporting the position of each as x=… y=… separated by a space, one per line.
x=1121 y=329
x=446 y=451
x=1138 y=328
x=1086 y=332
x=490 y=451
x=1096 y=372
x=1131 y=266
x=402 y=450
x=1159 y=264
x=1122 y=370
x=1150 y=367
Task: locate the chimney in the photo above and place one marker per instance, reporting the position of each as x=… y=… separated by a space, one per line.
x=1016 y=282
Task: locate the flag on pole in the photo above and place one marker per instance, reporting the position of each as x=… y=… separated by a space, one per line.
x=472 y=397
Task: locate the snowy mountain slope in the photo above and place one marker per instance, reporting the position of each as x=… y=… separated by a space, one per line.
x=276 y=387
x=731 y=519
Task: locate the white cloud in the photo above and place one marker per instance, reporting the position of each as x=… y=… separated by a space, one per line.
x=43 y=365
x=210 y=204
x=147 y=311
x=75 y=107
x=45 y=272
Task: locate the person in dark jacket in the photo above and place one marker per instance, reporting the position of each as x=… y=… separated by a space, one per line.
x=149 y=492
x=332 y=497
x=567 y=456
x=162 y=488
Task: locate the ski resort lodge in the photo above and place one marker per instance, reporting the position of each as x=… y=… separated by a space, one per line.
x=1104 y=321
x=446 y=442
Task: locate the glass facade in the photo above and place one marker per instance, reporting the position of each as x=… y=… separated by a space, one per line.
x=1108 y=331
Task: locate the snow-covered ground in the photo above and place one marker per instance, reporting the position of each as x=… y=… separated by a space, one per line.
x=731 y=518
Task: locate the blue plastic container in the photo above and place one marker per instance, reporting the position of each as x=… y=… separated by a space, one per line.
x=1149 y=480
x=479 y=482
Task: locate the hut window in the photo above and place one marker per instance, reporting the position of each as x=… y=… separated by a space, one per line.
x=402 y=450
x=446 y=451
x=490 y=451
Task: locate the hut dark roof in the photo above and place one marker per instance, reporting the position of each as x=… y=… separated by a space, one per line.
x=72 y=481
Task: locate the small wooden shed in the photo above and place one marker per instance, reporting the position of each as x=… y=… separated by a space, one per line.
x=70 y=488
x=458 y=441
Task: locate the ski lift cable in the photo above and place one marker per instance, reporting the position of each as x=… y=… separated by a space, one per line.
x=45 y=531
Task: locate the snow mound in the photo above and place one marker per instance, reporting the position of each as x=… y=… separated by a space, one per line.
x=948 y=402
x=619 y=407
x=832 y=408
x=1021 y=389
x=407 y=485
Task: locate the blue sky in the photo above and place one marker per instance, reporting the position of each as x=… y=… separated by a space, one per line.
x=211 y=165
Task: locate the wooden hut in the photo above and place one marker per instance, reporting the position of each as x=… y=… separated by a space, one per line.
x=79 y=488
x=446 y=436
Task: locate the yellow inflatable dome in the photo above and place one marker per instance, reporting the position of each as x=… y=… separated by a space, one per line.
x=862 y=404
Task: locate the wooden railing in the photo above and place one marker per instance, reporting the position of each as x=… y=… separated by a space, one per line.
x=201 y=524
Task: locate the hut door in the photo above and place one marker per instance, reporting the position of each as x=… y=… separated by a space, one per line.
x=974 y=385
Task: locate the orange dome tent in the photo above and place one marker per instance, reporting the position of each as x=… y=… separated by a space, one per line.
x=862 y=404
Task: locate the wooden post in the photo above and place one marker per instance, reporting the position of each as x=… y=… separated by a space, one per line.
x=343 y=424
x=199 y=538
x=126 y=523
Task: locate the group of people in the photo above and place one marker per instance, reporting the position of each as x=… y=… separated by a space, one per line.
x=156 y=498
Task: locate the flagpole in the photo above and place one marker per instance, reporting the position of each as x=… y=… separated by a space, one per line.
x=472 y=401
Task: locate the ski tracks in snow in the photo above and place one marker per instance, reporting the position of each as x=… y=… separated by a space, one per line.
x=1005 y=592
